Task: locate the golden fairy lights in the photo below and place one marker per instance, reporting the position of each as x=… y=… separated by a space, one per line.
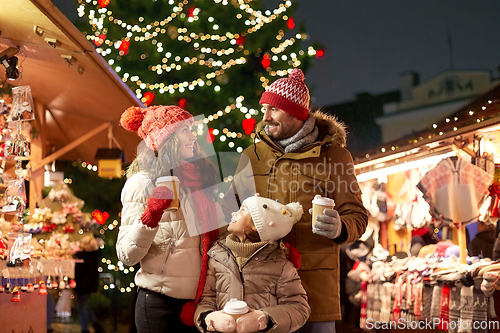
x=471 y=114
x=219 y=60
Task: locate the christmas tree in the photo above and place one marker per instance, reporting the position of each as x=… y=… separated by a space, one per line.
x=213 y=58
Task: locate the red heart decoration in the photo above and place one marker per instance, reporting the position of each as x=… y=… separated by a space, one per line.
x=99 y=216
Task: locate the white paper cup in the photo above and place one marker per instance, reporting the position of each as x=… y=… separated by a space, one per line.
x=319 y=204
x=235 y=308
x=172 y=183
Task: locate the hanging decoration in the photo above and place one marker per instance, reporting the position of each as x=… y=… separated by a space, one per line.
x=320 y=53
x=124 y=45
x=99 y=216
x=266 y=61
x=182 y=103
x=98 y=40
x=149 y=97
x=104 y=3
x=210 y=135
x=249 y=125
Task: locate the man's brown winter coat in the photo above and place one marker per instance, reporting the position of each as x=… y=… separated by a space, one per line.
x=326 y=168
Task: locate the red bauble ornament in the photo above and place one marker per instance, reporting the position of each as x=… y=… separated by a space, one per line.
x=290 y=23
x=182 y=103
x=98 y=40
x=124 y=45
x=149 y=98
x=320 y=53
x=191 y=11
x=248 y=125
x=210 y=135
x=266 y=61
x=240 y=40
x=103 y=3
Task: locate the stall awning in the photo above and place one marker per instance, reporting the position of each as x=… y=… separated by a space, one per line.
x=80 y=92
x=457 y=131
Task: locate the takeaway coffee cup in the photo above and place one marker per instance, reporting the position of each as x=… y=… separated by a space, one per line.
x=172 y=183
x=235 y=308
x=319 y=204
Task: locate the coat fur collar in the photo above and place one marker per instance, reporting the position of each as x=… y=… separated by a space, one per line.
x=331 y=130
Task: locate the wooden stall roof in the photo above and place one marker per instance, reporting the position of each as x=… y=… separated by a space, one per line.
x=76 y=87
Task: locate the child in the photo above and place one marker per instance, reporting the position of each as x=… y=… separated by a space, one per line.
x=251 y=266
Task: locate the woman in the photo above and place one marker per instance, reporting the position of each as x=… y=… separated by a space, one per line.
x=173 y=263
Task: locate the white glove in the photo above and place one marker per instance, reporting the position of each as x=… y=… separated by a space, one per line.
x=328 y=225
x=220 y=322
x=255 y=320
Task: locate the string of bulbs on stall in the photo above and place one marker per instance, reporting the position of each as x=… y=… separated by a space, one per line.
x=490 y=109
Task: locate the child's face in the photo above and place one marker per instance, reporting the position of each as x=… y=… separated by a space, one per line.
x=186 y=140
x=241 y=223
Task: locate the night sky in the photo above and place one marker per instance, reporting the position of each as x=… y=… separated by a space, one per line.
x=369 y=43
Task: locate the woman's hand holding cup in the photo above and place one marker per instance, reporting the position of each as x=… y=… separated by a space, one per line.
x=159 y=200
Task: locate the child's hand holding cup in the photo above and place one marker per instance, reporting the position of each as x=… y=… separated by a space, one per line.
x=236 y=308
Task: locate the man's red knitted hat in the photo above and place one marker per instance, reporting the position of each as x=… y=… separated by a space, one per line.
x=154 y=124
x=289 y=94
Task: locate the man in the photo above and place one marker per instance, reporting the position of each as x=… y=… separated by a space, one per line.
x=300 y=154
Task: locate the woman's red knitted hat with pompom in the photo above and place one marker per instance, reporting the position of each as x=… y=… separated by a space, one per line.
x=154 y=124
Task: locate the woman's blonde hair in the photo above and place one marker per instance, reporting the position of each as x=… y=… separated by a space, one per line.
x=168 y=157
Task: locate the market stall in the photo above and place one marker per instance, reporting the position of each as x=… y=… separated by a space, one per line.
x=425 y=194
x=73 y=108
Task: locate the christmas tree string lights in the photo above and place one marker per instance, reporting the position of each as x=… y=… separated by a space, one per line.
x=203 y=53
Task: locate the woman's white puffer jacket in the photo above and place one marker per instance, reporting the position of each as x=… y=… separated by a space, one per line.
x=170 y=259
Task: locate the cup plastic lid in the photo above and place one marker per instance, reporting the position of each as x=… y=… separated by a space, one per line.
x=236 y=307
x=319 y=200
x=166 y=179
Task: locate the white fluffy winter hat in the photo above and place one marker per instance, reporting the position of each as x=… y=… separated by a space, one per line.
x=272 y=219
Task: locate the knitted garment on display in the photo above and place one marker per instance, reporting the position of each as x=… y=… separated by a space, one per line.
x=364 y=300
x=480 y=312
x=455 y=190
x=206 y=215
x=436 y=301
x=385 y=301
x=466 y=308
x=396 y=307
x=417 y=299
x=454 y=309
x=427 y=301
x=444 y=308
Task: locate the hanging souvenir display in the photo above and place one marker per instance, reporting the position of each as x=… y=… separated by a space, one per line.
x=20 y=251
x=22 y=108
x=15 y=197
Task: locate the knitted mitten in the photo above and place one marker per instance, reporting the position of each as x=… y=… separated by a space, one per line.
x=160 y=199
x=220 y=322
x=255 y=320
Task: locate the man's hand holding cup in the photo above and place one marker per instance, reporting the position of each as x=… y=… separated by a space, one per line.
x=325 y=220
